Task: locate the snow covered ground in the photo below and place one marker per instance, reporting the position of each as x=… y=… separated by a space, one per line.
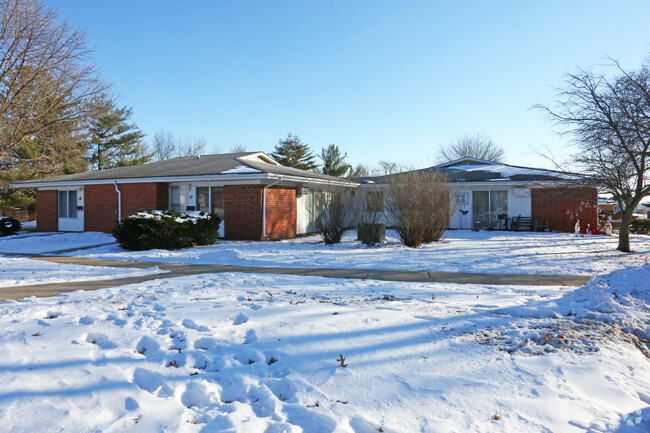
x=263 y=353
x=22 y=272
x=459 y=251
x=19 y=271
x=260 y=353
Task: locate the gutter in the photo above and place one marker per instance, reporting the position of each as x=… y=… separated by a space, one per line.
x=119 y=203
x=264 y=205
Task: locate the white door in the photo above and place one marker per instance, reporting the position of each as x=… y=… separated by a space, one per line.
x=71 y=210
x=460 y=210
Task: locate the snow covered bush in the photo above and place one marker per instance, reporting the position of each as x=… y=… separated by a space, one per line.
x=167 y=230
x=418 y=206
x=9 y=226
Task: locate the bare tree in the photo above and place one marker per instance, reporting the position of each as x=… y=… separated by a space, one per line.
x=418 y=206
x=386 y=168
x=608 y=118
x=164 y=146
x=238 y=148
x=335 y=210
x=193 y=146
x=45 y=77
x=479 y=146
x=360 y=170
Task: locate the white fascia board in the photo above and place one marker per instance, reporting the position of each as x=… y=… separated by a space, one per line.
x=185 y=179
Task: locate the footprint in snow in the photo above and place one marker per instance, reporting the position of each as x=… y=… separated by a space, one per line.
x=147 y=380
x=251 y=337
x=101 y=340
x=360 y=425
x=147 y=346
x=86 y=320
x=130 y=404
x=239 y=319
x=191 y=324
x=281 y=427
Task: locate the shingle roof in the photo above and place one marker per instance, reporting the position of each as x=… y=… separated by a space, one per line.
x=205 y=165
x=488 y=172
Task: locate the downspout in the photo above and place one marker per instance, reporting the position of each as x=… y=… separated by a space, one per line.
x=264 y=206
x=119 y=203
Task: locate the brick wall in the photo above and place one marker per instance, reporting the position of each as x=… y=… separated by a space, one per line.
x=281 y=213
x=47 y=213
x=100 y=202
x=562 y=206
x=243 y=211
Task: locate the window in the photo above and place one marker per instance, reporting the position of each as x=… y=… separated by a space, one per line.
x=375 y=201
x=216 y=201
x=177 y=198
x=203 y=199
x=63 y=204
x=67 y=204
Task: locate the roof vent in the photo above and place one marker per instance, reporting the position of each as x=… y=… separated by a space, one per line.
x=198 y=156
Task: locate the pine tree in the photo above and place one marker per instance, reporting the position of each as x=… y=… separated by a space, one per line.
x=292 y=152
x=333 y=162
x=112 y=141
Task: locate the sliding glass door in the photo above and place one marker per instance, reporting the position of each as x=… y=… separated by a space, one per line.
x=490 y=208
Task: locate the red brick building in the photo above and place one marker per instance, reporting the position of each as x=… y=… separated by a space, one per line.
x=256 y=197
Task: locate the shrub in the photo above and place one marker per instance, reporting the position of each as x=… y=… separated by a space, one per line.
x=167 y=230
x=418 y=206
x=640 y=226
x=335 y=213
x=9 y=226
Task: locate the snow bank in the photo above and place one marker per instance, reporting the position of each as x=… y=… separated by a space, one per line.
x=610 y=308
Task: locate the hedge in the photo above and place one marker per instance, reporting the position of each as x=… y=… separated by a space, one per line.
x=167 y=230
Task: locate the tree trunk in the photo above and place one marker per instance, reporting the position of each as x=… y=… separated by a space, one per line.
x=624 y=231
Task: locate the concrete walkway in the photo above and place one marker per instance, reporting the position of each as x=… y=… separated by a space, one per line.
x=185 y=269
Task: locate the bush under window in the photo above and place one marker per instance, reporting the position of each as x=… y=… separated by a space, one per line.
x=167 y=230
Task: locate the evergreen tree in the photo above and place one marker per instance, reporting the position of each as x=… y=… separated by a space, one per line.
x=292 y=152
x=113 y=142
x=333 y=162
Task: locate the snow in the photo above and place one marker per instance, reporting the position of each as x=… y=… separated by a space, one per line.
x=506 y=171
x=22 y=272
x=258 y=353
x=40 y=243
x=240 y=169
x=459 y=251
x=262 y=353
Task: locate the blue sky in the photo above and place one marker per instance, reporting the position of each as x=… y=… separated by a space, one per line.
x=382 y=80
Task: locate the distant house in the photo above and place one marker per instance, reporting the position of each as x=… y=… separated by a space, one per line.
x=492 y=195
x=256 y=197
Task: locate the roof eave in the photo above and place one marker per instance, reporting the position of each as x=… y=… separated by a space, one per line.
x=174 y=179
